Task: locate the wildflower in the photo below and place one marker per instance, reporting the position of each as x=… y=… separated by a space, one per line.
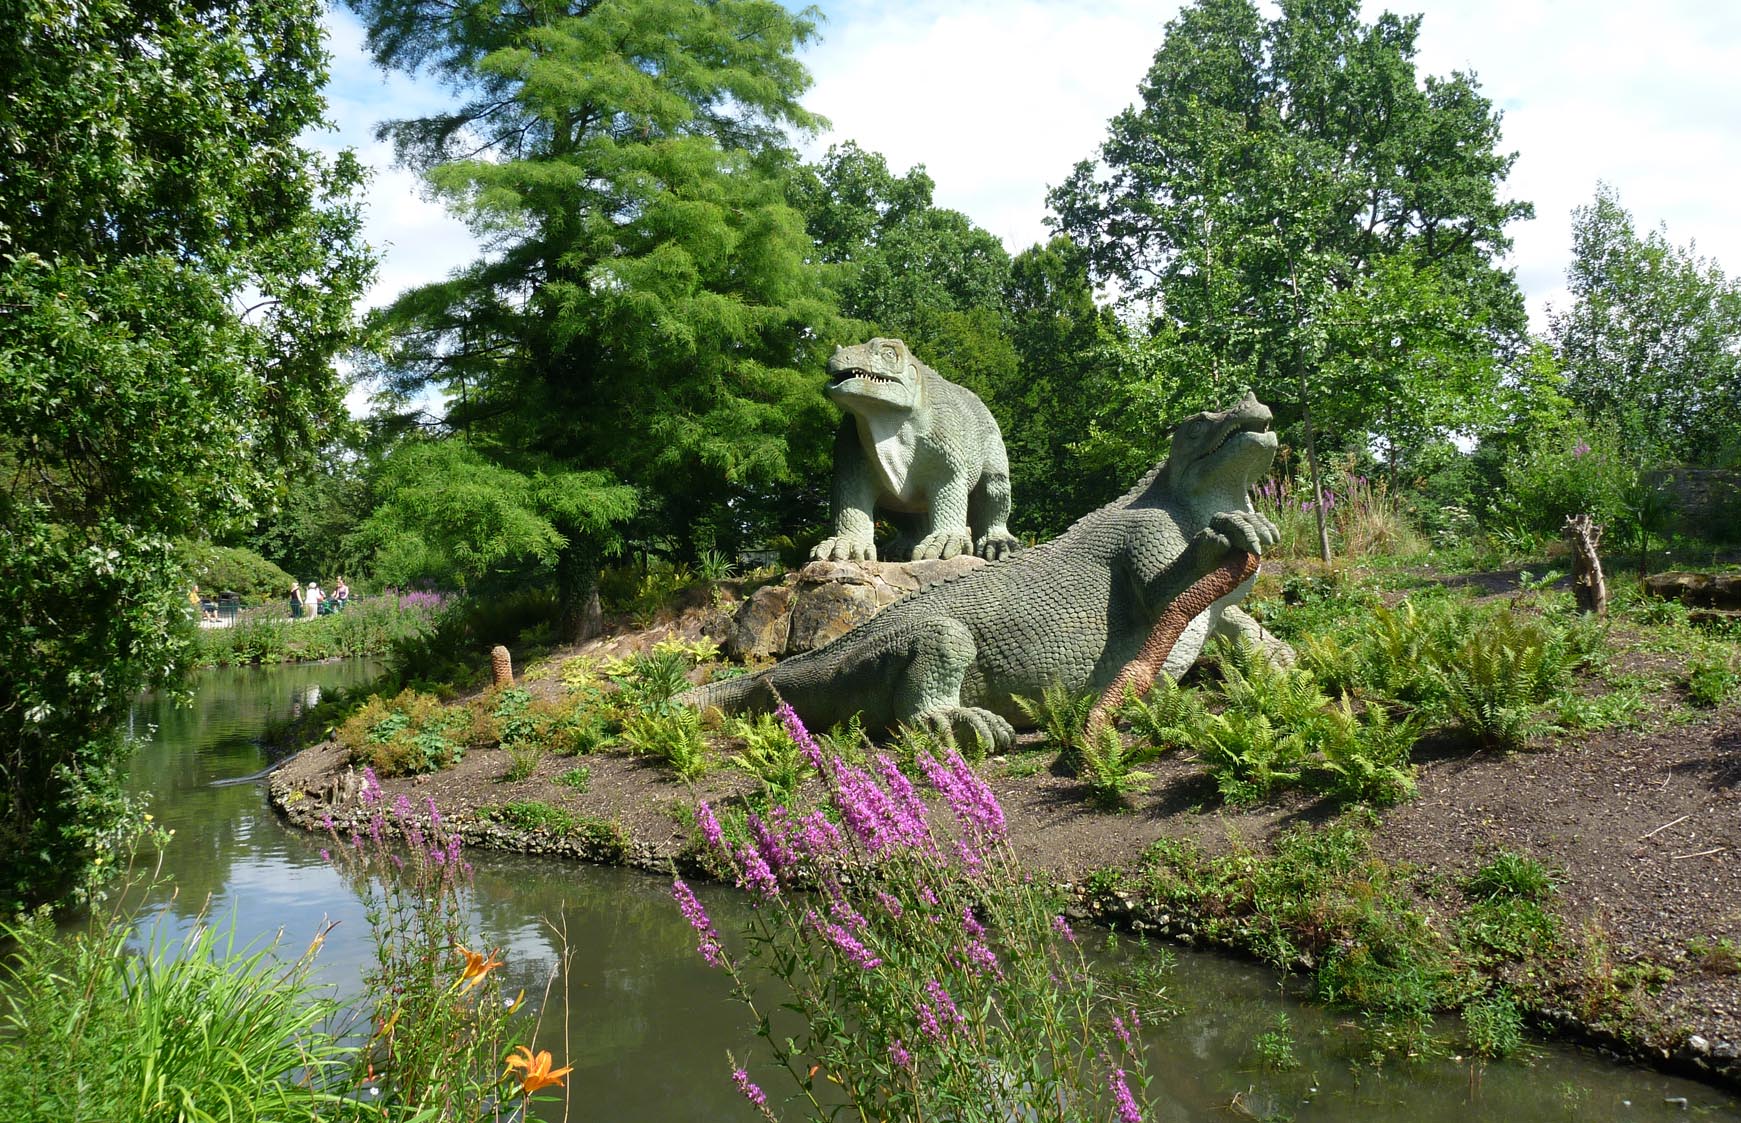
x=945 y=1004
x=477 y=965
x=708 y=943
x=771 y=840
x=975 y=807
x=970 y=923
x=371 y=786
x=800 y=735
x=909 y=809
x=325 y=854
x=1062 y=927
x=748 y=1089
x=1128 y=1112
x=980 y=953
x=536 y=1068
x=1579 y=449
x=756 y=874
x=709 y=825
x=1120 y=1030
x=847 y=943
x=819 y=836
x=891 y=905
x=898 y=1053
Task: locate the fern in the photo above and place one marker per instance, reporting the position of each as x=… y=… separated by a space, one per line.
x=1166 y=717
x=1063 y=716
x=1493 y=682
x=769 y=754
x=674 y=736
x=1108 y=767
x=1364 y=758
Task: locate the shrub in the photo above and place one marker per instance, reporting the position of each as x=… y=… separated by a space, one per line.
x=219 y=569
x=946 y=987
x=411 y=733
x=579 y=779
x=1711 y=680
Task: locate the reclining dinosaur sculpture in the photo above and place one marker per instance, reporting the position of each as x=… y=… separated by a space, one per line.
x=1073 y=611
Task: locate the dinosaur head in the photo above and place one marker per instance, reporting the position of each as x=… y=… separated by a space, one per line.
x=878 y=373
x=1221 y=453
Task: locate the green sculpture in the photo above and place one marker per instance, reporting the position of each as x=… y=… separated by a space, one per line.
x=923 y=452
x=1073 y=611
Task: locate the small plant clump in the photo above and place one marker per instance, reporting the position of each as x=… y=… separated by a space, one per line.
x=408 y=734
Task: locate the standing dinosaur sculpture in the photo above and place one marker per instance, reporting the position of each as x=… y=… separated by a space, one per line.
x=919 y=450
x=1073 y=611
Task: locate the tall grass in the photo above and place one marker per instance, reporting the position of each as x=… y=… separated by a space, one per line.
x=371 y=626
x=1365 y=520
x=191 y=1030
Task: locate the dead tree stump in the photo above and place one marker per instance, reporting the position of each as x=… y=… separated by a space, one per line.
x=502 y=665
x=1588 y=587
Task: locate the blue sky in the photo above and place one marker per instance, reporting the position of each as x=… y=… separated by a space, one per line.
x=999 y=98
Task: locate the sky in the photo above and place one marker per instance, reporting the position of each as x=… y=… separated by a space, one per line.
x=998 y=99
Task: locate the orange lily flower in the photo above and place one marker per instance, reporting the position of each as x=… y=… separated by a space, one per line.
x=477 y=965
x=537 y=1066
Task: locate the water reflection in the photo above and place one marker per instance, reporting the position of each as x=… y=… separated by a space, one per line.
x=650 y=1024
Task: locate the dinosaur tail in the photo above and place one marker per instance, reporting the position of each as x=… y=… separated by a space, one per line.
x=744 y=694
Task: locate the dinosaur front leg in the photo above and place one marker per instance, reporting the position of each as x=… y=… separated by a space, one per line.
x=928 y=693
x=855 y=497
x=989 y=516
x=948 y=533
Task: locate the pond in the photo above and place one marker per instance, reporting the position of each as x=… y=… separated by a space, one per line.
x=648 y=1025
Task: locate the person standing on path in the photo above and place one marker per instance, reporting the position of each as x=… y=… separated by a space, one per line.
x=341 y=595
x=311 y=598
x=296 y=600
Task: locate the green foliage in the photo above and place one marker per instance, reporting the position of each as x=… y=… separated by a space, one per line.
x=1493 y=1027
x=1712 y=680
x=673 y=735
x=1108 y=767
x=649 y=308
x=1513 y=875
x=1275 y=1046
x=1650 y=338
x=218 y=569
x=192 y=1030
x=650 y=683
x=1292 y=239
x=177 y=272
x=523 y=760
x=445 y=513
x=532 y=815
x=1063 y=717
x=1165 y=718
x=408 y=734
x=579 y=779
x=770 y=755
x=369 y=626
x=1493 y=682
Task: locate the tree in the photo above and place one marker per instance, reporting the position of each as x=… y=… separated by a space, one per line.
x=446 y=514
x=176 y=273
x=645 y=308
x=908 y=268
x=1280 y=183
x=1652 y=340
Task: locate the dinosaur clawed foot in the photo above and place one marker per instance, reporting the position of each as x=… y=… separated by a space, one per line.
x=950 y=722
x=943 y=544
x=844 y=548
x=998 y=544
x=1244 y=530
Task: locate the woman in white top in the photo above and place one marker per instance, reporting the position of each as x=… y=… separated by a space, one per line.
x=312 y=596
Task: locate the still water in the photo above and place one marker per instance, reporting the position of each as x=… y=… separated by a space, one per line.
x=648 y=1025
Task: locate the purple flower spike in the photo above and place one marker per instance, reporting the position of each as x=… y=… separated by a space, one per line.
x=848 y=944
x=898 y=1053
x=1128 y=1112
x=709 y=826
x=800 y=735
x=708 y=943
x=1062 y=927
x=749 y=1091
x=757 y=876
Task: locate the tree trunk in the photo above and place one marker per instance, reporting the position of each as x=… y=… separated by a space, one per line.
x=1312 y=466
x=579 y=616
x=1588 y=587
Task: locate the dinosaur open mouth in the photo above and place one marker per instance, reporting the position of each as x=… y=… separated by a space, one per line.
x=1251 y=425
x=839 y=376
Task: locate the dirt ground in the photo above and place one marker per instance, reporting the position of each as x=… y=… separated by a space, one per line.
x=1643 y=827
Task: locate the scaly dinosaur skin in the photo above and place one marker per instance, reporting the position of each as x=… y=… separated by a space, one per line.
x=923 y=451
x=1073 y=611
